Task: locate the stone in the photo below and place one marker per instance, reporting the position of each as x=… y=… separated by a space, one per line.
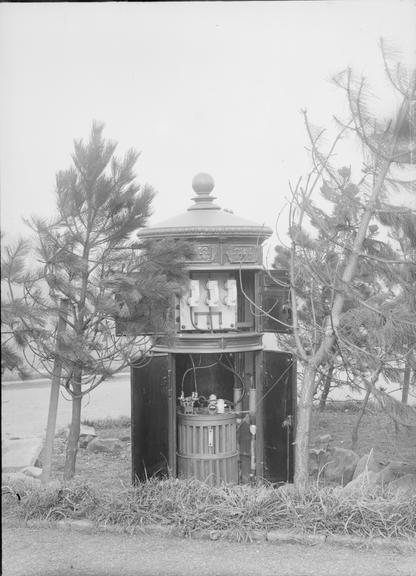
x=340 y=465
x=104 y=445
x=396 y=476
x=53 y=485
x=19 y=481
x=84 y=430
x=367 y=462
x=364 y=482
x=32 y=471
x=21 y=453
x=10 y=477
x=287 y=489
x=395 y=470
x=323 y=439
x=404 y=484
x=85 y=440
x=317 y=459
x=82 y=525
x=318 y=454
x=86 y=434
x=87 y=431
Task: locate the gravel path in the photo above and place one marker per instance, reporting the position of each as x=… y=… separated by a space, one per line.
x=52 y=552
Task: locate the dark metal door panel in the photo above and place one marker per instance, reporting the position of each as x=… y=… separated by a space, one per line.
x=278 y=416
x=150 y=418
x=274 y=301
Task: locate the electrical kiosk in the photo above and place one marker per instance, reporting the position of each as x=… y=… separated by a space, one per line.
x=212 y=403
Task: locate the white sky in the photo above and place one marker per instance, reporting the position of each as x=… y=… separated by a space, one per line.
x=210 y=86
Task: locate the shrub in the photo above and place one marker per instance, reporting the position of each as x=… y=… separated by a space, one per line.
x=107 y=423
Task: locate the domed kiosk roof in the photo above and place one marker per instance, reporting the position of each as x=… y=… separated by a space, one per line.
x=205 y=218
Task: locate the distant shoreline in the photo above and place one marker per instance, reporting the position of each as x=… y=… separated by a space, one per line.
x=36 y=379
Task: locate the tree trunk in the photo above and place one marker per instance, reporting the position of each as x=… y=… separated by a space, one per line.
x=73 y=438
x=406 y=380
x=54 y=396
x=354 y=435
x=327 y=387
x=303 y=429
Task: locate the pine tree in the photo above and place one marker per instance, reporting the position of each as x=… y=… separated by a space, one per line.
x=90 y=262
x=339 y=267
x=19 y=321
x=402 y=231
x=317 y=266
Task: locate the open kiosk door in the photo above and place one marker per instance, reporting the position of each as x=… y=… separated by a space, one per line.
x=151 y=418
x=273 y=288
x=278 y=416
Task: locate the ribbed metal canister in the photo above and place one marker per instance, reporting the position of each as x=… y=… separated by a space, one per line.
x=207 y=447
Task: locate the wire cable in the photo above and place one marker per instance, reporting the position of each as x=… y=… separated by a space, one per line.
x=230 y=369
x=193 y=368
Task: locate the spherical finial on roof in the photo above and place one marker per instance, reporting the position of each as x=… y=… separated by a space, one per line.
x=203 y=183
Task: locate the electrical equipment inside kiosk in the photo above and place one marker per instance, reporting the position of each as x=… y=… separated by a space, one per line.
x=210 y=303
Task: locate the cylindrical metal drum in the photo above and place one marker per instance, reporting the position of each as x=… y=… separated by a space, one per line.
x=207 y=447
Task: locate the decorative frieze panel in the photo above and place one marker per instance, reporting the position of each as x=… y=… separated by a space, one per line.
x=206 y=253
x=212 y=254
x=242 y=253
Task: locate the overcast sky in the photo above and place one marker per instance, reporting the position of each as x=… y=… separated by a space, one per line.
x=210 y=86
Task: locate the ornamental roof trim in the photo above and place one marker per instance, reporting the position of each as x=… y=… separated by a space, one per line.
x=206 y=219
x=260 y=232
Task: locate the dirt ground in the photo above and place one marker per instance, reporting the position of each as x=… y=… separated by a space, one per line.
x=376 y=432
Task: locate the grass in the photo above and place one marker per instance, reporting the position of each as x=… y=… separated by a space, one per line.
x=190 y=506
x=101 y=491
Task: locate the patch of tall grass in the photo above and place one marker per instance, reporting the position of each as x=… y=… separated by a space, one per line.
x=190 y=506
